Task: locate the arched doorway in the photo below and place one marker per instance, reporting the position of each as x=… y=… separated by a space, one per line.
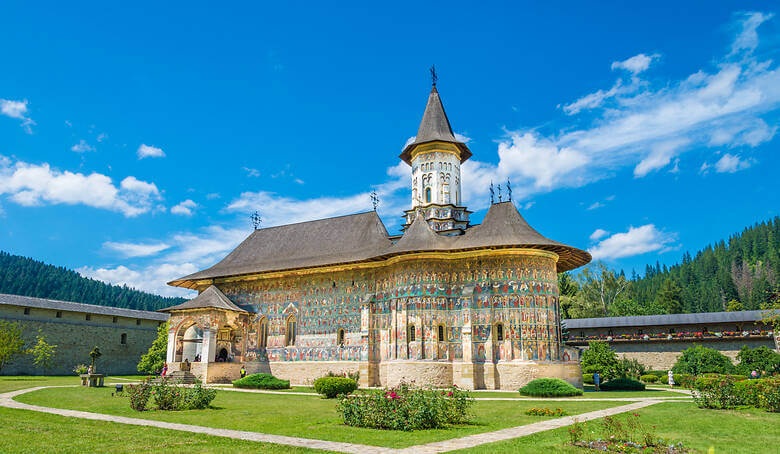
x=192 y=344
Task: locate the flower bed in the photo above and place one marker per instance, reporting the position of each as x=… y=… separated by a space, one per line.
x=168 y=396
x=627 y=434
x=405 y=408
x=545 y=412
x=730 y=391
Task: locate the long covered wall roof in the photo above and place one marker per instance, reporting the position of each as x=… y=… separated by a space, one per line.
x=362 y=237
x=665 y=319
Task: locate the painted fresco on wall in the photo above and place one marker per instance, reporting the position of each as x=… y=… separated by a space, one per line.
x=518 y=291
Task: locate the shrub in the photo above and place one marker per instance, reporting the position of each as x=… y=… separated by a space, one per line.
x=588 y=379
x=599 y=357
x=758 y=359
x=684 y=380
x=623 y=384
x=761 y=393
x=715 y=392
x=545 y=412
x=139 y=395
x=630 y=368
x=331 y=387
x=261 y=381
x=549 y=387
x=649 y=378
x=659 y=373
x=404 y=408
x=80 y=369
x=352 y=375
x=169 y=396
x=699 y=360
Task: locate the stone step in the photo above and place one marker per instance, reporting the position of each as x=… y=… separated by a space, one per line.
x=187 y=378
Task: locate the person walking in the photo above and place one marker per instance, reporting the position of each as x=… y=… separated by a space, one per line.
x=242 y=372
x=597 y=380
x=671 y=378
x=164 y=370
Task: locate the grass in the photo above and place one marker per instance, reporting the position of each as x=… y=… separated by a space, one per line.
x=299 y=416
x=589 y=393
x=725 y=431
x=26 y=431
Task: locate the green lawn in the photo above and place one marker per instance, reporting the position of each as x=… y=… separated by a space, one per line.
x=299 y=416
x=589 y=393
x=24 y=431
x=747 y=431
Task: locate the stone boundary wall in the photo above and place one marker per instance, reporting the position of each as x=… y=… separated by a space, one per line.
x=663 y=355
x=75 y=337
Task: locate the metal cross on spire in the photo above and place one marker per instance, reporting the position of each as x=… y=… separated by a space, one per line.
x=509 y=189
x=374 y=199
x=434 y=77
x=256 y=219
x=499 y=193
x=492 y=195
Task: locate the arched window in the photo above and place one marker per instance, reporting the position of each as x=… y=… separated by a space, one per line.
x=499 y=332
x=341 y=338
x=442 y=334
x=262 y=333
x=291 y=331
x=123 y=339
x=428 y=194
x=412 y=333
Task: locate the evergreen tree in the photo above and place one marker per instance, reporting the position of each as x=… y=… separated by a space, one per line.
x=669 y=297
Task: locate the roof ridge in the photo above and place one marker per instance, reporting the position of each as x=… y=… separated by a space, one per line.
x=321 y=219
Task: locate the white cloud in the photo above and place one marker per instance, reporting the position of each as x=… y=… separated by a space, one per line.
x=730 y=164
x=148 y=151
x=636 y=64
x=136 y=249
x=660 y=156
x=251 y=172
x=212 y=196
x=598 y=233
x=82 y=147
x=298 y=180
x=17 y=110
x=595 y=206
x=592 y=100
x=101 y=137
x=637 y=240
x=184 y=208
x=151 y=279
x=32 y=184
x=747 y=38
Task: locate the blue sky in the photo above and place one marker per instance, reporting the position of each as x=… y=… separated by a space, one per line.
x=135 y=141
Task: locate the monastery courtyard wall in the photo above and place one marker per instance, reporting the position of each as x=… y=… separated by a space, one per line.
x=663 y=355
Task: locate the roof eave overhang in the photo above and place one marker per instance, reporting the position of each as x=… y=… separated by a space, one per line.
x=406 y=155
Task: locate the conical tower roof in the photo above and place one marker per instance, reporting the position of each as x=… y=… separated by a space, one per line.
x=211 y=298
x=420 y=237
x=434 y=127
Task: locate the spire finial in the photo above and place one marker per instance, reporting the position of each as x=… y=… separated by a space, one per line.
x=499 y=194
x=492 y=194
x=434 y=77
x=509 y=189
x=256 y=219
x=374 y=199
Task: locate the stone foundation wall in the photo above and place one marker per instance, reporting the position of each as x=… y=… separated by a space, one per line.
x=301 y=373
x=75 y=336
x=516 y=374
x=419 y=373
x=663 y=355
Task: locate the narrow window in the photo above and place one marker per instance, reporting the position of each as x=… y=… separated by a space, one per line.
x=59 y=314
x=428 y=195
x=290 y=333
x=138 y=321
x=26 y=311
x=123 y=339
x=114 y=320
x=499 y=332
x=262 y=340
x=341 y=338
x=442 y=333
x=412 y=333
x=88 y=317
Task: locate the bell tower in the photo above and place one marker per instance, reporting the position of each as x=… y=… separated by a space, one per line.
x=435 y=156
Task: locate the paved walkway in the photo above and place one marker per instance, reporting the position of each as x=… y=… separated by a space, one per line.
x=6 y=400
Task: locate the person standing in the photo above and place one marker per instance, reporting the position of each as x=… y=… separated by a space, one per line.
x=754 y=375
x=671 y=378
x=242 y=372
x=597 y=380
x=164 y=370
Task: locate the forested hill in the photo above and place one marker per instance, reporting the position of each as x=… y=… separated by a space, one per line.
x=741 y=273
x=28 y=277
x=745 y=268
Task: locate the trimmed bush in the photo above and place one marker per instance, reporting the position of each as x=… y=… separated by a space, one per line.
x=404 y=408
x=623 y=384
x=659 y=373
x=715 y=392
x=549 y=387
x=649 y=378
x=699 y=360
x=758 y=359
x=331 y=387
x=262 y=381
x=684 y=380
x=762 y=393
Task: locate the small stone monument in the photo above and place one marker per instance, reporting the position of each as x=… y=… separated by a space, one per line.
x=91 y=378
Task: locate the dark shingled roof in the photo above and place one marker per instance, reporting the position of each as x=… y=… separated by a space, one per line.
x=363 y=237
x=43 y=303
x=210 y=298
x=435 y=126
x=341 y=239
x=666 y=319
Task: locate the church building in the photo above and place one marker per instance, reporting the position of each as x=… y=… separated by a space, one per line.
x=446 y=302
